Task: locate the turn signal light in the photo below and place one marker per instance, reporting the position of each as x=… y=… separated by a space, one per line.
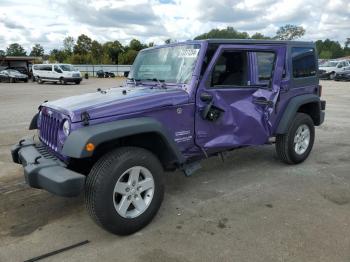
x=90 y=147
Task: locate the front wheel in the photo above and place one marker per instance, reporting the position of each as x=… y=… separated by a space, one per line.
x=124 y=190
x=295 y=146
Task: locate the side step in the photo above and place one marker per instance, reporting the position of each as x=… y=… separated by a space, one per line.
x=190 y=168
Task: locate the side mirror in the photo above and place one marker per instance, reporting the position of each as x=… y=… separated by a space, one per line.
x=126 y=73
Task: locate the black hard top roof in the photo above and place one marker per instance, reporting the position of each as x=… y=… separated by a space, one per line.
x=256 y=41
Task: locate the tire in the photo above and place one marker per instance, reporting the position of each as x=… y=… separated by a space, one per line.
x=102 y=202
x=286 y=144
x=331 y=76
x=26 y=81
x=62 y=82
x=12 y=80
x=77 y=82
x=38 y=79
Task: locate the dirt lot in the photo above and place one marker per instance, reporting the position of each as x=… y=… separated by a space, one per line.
x=250 y=208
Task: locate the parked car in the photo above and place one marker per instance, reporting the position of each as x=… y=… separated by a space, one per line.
x=12 y=76
x=57 y=73
x=328 y=69
x=103 y=74
x=21 y=69
x=343 y=75
x=182 y=103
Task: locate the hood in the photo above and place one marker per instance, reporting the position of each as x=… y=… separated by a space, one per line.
x=327 y=68
x=13 y=74
x=118 y=101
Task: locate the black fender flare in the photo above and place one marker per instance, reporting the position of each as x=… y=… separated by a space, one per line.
x=34 y=123
x=292 y=108
x=75 y=143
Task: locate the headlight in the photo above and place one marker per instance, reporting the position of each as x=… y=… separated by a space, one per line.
x=66 y=127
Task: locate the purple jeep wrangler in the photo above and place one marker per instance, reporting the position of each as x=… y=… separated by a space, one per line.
x=181 y=103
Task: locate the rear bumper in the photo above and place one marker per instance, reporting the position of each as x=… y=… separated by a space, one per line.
x=45 y=171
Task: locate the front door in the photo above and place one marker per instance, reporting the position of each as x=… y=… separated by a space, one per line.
x=237 y=96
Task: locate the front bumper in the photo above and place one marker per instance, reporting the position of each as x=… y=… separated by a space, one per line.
x=43 y=170
x=73 y=79
x=342 y=77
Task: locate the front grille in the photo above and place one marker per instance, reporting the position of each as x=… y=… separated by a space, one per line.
x=45 y=153
x=49 y=127
x=76 y=75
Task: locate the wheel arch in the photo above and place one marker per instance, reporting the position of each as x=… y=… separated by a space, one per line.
x=144 y=132
x=309 y=104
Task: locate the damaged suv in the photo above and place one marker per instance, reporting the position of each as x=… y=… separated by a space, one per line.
x=181 y=103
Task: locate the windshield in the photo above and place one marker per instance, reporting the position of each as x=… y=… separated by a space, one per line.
x=330 y=64
x=173 y=64
x=67 y=68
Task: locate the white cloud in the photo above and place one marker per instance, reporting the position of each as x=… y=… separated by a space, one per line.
x=48 y=22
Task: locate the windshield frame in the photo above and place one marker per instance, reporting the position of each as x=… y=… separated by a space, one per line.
x=155 y=81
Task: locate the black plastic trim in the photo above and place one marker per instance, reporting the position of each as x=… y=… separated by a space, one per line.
x=292 y=108
x=47 y=173
x=75 y=143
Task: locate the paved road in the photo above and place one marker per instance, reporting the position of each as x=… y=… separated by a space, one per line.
x=250 y=208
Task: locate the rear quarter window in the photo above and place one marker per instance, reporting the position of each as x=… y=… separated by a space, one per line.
x=303 y=62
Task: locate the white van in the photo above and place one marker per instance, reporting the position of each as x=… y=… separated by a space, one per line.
x=62 y=73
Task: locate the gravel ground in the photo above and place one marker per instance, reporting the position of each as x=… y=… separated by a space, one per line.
x=250 y=208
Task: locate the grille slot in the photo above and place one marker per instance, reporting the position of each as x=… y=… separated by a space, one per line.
x=49 y=130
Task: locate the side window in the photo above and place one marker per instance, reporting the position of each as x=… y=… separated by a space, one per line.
x=265 y=61
x=230 y=70
x=57 y=69
x=303 y=62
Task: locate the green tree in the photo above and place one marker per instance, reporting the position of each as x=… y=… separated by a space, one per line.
x=228 y=33
x=57 y=55
x=289 y=32
x=2 y=53
x=329 y=49
x=83 y=45
x=136 y=45
x=96 y=52
x=128 y=57
x=68 y=44
x=15 y=49
x=259 y=36
x=112 y=50
x=37 y=50
x=347 y=42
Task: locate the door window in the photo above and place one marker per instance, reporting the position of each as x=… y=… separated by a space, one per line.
x=243 y=69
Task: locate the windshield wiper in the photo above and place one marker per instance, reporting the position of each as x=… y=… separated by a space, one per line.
x=134 y=80
x=161 y=82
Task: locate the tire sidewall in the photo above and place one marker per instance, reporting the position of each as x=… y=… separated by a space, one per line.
x=104 y=204
x=302 y=120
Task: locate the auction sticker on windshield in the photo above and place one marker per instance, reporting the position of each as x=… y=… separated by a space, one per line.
x=188 y=52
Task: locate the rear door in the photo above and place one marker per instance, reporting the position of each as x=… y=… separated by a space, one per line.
x=237 y=96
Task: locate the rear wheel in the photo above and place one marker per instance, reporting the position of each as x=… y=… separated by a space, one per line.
x=331 y=76
x=295 y=146
x=39 y=80
x=124 y=190
x=77 y=82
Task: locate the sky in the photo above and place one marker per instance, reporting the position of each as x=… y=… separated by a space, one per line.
x=49 y=22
